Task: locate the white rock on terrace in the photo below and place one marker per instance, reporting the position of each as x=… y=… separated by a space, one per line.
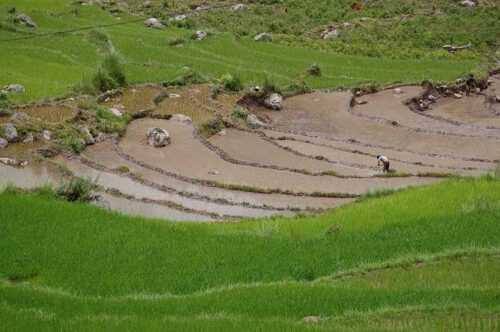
x=468 y=3
x=25 y=20
x=200 y=35
x=274 y=101
x=263 y=37
x=3 y=143
x=14 y=88
x=238 y=7
x=9 y=132
x=158 y=137
x=153 y=23
x=116 y=112
x=254 y=122
x=181 y=118
x=47 y=135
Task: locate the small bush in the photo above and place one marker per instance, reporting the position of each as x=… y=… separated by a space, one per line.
x=231 y=82
x=188 y=76
x=114 y=69
x=314 y=70
x=215 y=90
x=240 y=113
x=176 y=41
x=77 y=190
x=269 y=86
x=211 y=127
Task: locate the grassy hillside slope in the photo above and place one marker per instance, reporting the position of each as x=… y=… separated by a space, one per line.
x=419 y=258
x=71 y=41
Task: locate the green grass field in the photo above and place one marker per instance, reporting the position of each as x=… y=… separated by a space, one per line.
x=50 y=64
x=423 y=259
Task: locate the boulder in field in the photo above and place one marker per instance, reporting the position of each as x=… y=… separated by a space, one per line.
x=9 y=132
x=181 y=118
x=238 y=7
x=3 y=143
x=158 y=137
x=254 y=122
x=468 y=3
x=153 y=23
x=274 y=101
x=200 y=35
x=14 y=88
x=25 y=20
x=264 y=37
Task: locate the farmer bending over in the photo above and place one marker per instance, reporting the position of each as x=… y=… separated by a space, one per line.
x=383 y=160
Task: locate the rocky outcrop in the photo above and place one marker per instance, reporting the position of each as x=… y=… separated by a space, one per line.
x=3 y=143
x=274 y=101
x=158 y=137
x=9 y=132
x=25 y=20
x=264 y=37
x=153 y=23
x=254 y=122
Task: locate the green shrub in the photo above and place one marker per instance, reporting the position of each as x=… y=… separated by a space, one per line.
x=176 y=41
x=187 y=76
x=114 y=69
x=240 y=113
x=314 y=70
x=211 y=127
x=77 y=190
x=231 y=82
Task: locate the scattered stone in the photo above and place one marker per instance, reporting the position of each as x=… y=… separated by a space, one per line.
x=48 y=152
x=200 y=35
x=29 y=138
x=147 y=4
x=453 y=48
x=181 y=118
x=432 y=98
x=158 y=137
x=238 y=7
x=312 y=319
x=100 y=137
x=398 y=91
x=254 y=122
x=223 y=132
x=87 y=136
x=47 y=135
x=497 y=98
x=174 y=95
x=153 y=23
x=457 y=95
x=264 y=37
x=361 y=102
x=14 y=88
x=395 y=123
x=13 y=162
x=330 y=32
x=179 y=18
x=3 y=143
x=213 y=172
x=202 y=8
x=274 y=102
x=468 y=3
x=20 y=117
x=25 y=20
x=9 y=132
x=116 y=112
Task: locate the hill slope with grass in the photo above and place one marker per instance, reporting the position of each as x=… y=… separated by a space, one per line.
x=71 y=41
x=423 y=258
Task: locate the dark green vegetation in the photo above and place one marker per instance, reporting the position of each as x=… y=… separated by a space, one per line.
x=50 y=63
x=420 y=259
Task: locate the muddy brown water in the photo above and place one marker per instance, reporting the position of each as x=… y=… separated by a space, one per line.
x=190 y=158
x=252 y=148
x=133 y=188
x=105 y=154
x=388 y=107
x=326 y=114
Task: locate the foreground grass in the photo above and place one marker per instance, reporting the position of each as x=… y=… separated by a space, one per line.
x=53 y=64
x=417 y=259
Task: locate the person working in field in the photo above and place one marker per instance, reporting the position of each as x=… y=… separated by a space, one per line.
x=383 y=161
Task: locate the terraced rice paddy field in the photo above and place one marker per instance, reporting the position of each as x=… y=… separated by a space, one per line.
x=251 y=218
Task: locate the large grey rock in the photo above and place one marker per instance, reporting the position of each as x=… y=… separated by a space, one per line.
x=264 y=37
x=153 y=23
x=25 y=20
x=9 y=132
x=181 y=118
x=87 y=136
x=274 y=101
x=238 y=7
x=468 y=3
x=200 y=35
x=14 y=88
x=254 y=122
x=3 y=143
x=158 y=137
